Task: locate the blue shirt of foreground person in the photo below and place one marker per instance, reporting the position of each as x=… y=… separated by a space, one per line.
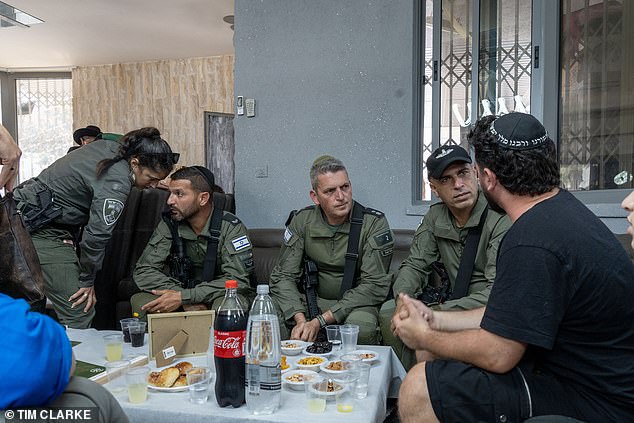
x=36 y=356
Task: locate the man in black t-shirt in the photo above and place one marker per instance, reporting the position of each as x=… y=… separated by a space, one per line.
x=557 y=335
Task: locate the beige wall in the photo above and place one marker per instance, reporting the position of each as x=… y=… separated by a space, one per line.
x=171 y=95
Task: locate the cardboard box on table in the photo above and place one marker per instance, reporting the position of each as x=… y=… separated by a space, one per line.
x=183 y=334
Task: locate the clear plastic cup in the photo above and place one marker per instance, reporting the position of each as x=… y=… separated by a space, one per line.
x=315 y=401
x=116 y=371
x=349 y=335
x=124 y=328
x=113 y=346
x=136 y=379
x=137 y=333
x=198 y=383
x=351 y=362
x=334 y=337
x=346 y=396
x=361 y=388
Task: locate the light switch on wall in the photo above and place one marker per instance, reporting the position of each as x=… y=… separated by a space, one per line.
x=250 y=106
x=240 y=105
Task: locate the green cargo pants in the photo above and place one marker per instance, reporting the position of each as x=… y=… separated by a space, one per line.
x=60 y=267
x=365 y=317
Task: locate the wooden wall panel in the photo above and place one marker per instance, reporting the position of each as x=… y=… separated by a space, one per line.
x=169 y=94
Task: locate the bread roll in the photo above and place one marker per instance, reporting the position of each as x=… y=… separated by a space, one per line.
x=165 y=378
x=181 y=381
x=183 y=366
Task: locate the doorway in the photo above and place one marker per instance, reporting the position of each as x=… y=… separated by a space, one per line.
x=220 y=149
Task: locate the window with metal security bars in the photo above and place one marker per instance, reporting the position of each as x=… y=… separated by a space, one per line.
x=499 y=31
x=44 y=122
x=596 y=135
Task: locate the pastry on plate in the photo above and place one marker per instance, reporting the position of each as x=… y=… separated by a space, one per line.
x=181 y=381
x=165 y=378
x=183 y=366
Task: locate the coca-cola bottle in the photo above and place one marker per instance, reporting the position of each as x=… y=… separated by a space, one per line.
x=229 y=338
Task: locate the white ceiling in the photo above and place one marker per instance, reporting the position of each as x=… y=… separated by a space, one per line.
x=95 y=32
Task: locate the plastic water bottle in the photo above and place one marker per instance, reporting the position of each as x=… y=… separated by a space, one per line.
x=263 y=354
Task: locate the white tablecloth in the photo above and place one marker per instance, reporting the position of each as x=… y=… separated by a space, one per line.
x=385 y=378
x=93 y=350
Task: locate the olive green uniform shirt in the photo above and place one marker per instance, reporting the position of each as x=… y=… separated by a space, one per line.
x=84 y=199
x=439 y=239
x=310 y=233
x=234 y=260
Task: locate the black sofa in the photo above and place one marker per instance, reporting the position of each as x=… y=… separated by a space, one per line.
x=142 y=213
x=114 y=285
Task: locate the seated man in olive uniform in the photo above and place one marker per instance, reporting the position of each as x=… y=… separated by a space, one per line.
x=441 y=237
x=190 y=280
x=320 y=233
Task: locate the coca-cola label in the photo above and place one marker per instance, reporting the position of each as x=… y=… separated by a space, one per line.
x=229 y=344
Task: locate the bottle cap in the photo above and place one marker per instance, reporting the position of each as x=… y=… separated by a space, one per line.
x=231 y=283
x=262 y=289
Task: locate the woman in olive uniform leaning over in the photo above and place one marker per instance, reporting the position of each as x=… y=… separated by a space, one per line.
x=87 y=187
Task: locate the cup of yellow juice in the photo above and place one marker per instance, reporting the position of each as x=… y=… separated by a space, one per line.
x=114 y=346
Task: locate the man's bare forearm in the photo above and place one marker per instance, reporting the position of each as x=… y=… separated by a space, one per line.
x=452 y=321
x=477 y=347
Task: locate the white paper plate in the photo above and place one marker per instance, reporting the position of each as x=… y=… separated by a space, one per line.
x=316 y=354
x=164 y=389
x=324 y=368
x=293 y=350
x=329 y=395
x=313 y=367
x=298 y=386
x=374 y=355
x=171 y=389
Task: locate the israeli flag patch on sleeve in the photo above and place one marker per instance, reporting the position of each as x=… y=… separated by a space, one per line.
x=287 y=235
x=241 y=243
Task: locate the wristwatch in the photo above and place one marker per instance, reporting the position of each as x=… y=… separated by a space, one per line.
x=321 y=320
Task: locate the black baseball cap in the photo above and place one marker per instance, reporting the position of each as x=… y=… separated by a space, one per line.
x=443 y=156
x=89 y=131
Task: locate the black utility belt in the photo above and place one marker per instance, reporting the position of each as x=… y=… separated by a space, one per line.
x=37 y=216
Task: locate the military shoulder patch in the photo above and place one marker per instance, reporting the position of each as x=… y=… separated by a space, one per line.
x=375 y=212
x=291 y=215
x=294 y=213
x=231 y=218
x=112 y=209
x=383 y=238
x=287 y=235
x=241 y=243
